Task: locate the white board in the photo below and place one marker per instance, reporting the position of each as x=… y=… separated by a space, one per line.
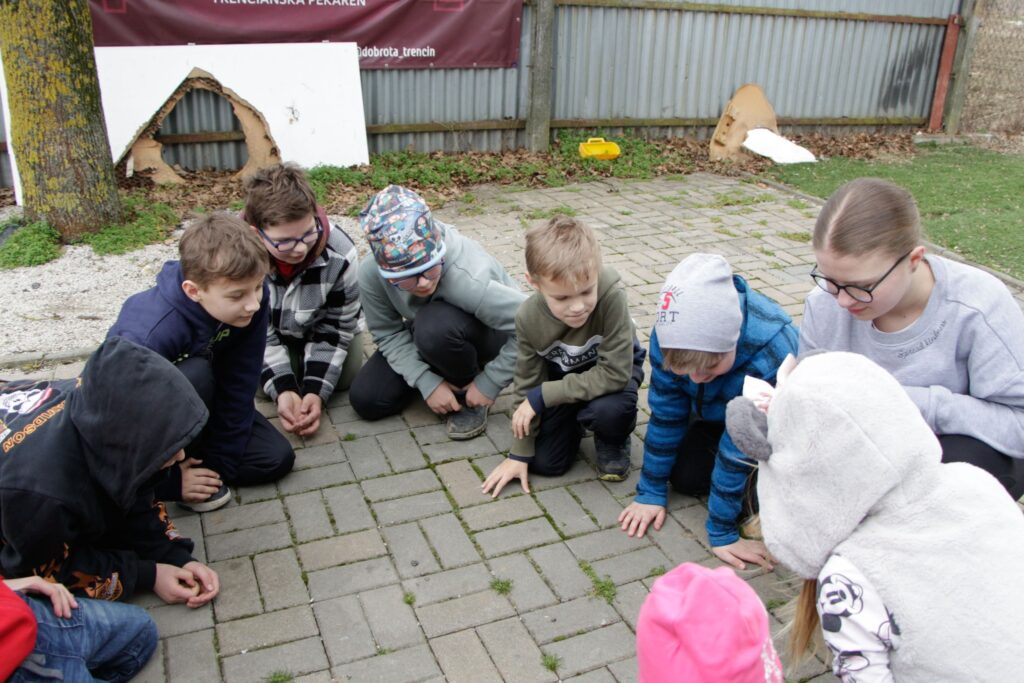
x=309 y=94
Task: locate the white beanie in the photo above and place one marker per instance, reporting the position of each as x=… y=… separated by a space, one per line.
x=698 y=307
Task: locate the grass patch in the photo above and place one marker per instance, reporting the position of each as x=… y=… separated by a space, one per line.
x=726 y=231
x=147 y=222
x=280 y=677
x=970 y=198
x=501 y=586
x=602 y=588
x=409 y=599
x=736 y=198
x=535 y=214
x=657 y=571
x=30 y=245
x=551 y=662
x=349 y=437
x=796 y=203
x=796 y=236
x=774 y=604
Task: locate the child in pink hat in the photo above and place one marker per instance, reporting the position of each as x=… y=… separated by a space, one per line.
x=703 y=625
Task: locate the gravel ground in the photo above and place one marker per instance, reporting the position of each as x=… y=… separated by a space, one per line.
x=68 y=304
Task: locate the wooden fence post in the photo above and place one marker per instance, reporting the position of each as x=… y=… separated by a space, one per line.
x=538 y=112
x=971 y=11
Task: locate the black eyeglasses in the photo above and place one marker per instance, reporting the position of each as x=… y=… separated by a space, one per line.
x=289 y=244
x=862 y=294
x=408 y=284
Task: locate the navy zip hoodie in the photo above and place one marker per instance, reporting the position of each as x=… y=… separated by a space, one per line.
x=164 y=319
x=79 y=460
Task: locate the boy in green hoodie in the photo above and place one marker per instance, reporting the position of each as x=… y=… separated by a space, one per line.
x=579 y=364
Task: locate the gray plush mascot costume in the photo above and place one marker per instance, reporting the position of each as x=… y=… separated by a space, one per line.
x=850 y=468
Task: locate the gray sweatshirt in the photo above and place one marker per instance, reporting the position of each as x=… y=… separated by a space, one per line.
x=962 y=361
x=473 y=281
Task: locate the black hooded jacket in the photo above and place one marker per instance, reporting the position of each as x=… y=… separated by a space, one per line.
x=79 y=460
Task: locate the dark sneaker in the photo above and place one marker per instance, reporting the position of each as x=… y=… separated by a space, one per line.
x=466 y=423
x=214 y=502
x=612 y=460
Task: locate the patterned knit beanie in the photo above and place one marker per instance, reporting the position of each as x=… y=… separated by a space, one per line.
x=702 y=625
x=404 y=238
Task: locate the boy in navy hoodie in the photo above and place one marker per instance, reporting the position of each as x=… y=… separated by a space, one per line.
x=208 y=314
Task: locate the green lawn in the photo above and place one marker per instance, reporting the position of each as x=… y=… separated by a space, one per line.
x=971 y=199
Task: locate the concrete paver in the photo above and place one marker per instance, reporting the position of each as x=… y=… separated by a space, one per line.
x=376 y=559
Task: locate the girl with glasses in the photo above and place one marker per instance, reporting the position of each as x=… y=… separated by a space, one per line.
x=950 y=333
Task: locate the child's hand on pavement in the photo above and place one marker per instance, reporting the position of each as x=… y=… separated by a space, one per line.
x=442 y=399
x=503 y=474
x=289 y=408
x=309 y=412
x=206 y=580
x=173 y=584
x=635 y=519
x=521 y=420
x=197 y=483
x=744 y=550
x=62 y=599
x=475 y=398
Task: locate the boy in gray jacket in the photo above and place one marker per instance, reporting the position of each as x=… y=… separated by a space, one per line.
x=441 y=311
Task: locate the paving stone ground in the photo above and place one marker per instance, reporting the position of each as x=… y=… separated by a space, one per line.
x=378 y=559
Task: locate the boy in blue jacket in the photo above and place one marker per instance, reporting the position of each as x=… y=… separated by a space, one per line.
x=208 y=314
x=711 y=331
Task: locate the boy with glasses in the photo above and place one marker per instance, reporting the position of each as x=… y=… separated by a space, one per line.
x=314 y=339
x=441 y=311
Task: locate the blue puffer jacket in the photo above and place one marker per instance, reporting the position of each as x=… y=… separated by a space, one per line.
x=767 y=334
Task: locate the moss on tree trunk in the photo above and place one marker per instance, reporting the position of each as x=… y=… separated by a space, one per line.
x=57 y=127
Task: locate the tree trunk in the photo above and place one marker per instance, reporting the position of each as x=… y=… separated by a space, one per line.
x=57 y=128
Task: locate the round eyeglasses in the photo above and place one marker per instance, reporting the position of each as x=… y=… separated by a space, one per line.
x=860 y=294
x=309 y=238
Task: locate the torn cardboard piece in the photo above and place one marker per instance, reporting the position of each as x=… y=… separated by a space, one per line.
x=748 y=109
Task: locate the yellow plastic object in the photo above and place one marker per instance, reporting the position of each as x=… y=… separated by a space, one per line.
x=599 y=148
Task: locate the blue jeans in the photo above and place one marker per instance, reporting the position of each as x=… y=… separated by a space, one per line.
x=106 y=641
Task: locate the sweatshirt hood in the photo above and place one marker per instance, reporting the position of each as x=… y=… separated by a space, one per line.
x=168 y=284
x=846 y=443
x=133 y=410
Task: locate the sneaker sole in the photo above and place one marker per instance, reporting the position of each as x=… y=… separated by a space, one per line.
x=612 y=477
x=463 y=436
x=208 y=506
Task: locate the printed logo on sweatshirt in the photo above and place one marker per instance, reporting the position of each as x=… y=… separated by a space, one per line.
x=571 y=358
x=32 y=426
x=924 y=343
x=24 y=401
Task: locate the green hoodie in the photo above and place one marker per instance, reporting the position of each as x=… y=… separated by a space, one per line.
x=551 y=354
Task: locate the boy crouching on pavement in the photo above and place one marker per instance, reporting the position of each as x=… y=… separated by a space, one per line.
x=208 y=315
x=579 y=364
x=711 y=331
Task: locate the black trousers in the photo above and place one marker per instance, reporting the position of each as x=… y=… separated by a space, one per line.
x=455 y=344
x=695 y=460
x=611 y=418
x=268 y=456
x=1009 y=471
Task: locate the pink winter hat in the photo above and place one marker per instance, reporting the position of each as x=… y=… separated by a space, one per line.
x=702 y=625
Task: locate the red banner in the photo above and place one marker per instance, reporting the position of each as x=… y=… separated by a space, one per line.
x=391 y=34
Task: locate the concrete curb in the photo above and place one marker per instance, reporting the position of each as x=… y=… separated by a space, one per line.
x=22 y=359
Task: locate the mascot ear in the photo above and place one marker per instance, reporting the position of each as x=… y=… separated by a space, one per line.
x=748 y=428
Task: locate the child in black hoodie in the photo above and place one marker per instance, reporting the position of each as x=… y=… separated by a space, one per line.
x=79 y=462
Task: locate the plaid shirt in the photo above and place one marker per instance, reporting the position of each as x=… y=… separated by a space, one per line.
x=320 y=307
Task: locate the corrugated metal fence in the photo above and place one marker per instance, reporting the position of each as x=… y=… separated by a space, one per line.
x=663 y=66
